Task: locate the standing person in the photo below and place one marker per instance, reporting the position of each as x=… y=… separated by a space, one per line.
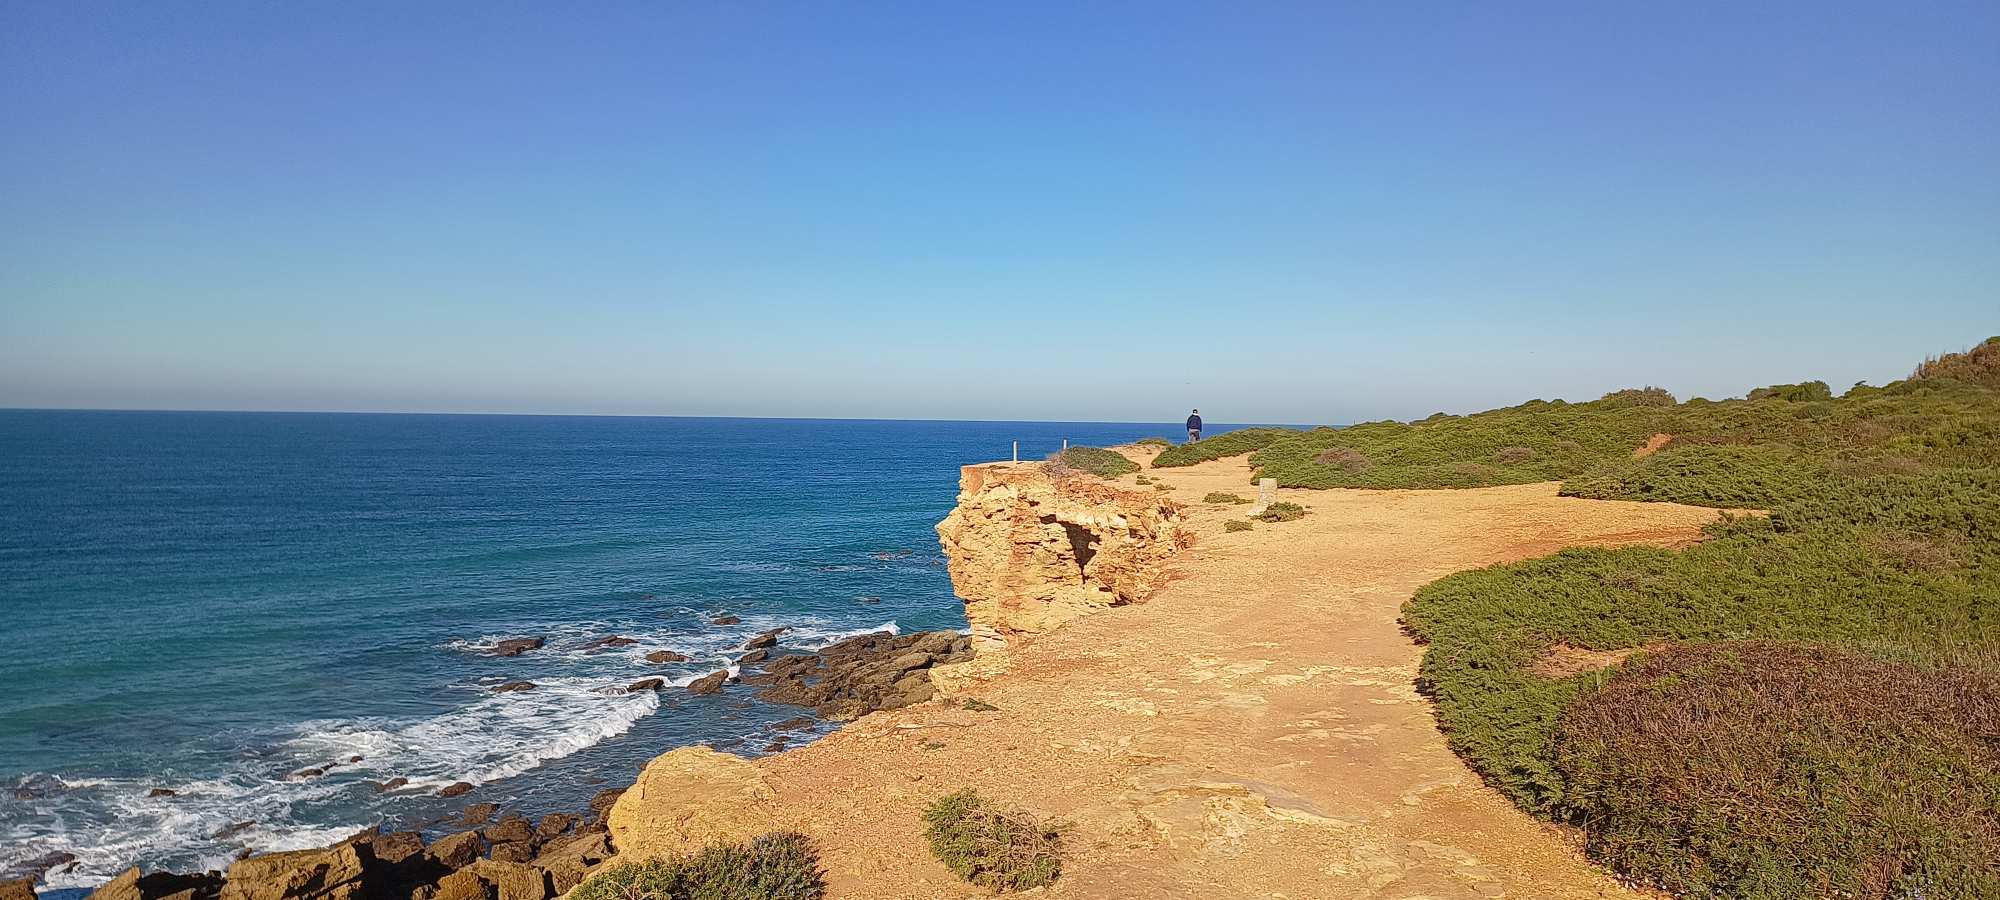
x=1194 y=426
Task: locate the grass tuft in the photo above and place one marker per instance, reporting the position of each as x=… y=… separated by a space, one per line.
x=1237 y=525
x=995 y=849
x=1281 y=511
x=1091 y=460
x=777 y=866
x=1154 y=442
x=1223 y=497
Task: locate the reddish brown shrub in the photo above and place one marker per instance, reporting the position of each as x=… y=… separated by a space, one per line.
x=1761 y=769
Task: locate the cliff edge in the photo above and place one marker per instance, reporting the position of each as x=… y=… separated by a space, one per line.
x=1029 y=551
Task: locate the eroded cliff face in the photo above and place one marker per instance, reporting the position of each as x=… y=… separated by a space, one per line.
x=1028 y=552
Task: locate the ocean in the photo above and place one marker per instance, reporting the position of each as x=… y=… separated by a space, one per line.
x=210 y=603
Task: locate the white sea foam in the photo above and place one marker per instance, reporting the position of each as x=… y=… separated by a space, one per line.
x=108 y=823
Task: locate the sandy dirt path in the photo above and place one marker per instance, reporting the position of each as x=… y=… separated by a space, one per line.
x=1250 y=732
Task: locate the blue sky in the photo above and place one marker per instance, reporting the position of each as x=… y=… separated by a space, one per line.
x=1310 y=212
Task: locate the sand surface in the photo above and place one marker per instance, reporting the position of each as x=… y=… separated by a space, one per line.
x=1252 y=731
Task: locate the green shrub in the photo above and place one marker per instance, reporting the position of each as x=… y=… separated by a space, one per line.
x=1093 y=460
x=1760 y=769
x=1236 y=525
x=1281 y=511
x=1234 y=443
x=1817 y=570
x=1154 y=442
x=1343 y=458
x=1162 y=486
x=1645 y=396
x=1222 y=497
x=776 y=866
x=1979 y=365
x=1803 y=392
x=998 y=850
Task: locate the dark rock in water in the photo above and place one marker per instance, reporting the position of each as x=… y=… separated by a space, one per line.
x=725 y=620
x=383 y=787
x=868 y=600
x=306 y=773
x=601 y=803
x=40 y=865
x=764 y=640
x=479 y=813
x=454 y=789
x=516 y=646
x=353 y=759
x=610 y=641
x=233 y=829
x=512 y=686
x=555 y=824
x=510 y=829
x=795 y=723
x=645 y=684
x=863 y=674
x=456 y=851
x=709 y=684
x=18 y=889
x=131 y=885
x=38 y=786
x=666 y=656
x=163 y=792
x=754 y=656
x=775 y=747
x=334 y=873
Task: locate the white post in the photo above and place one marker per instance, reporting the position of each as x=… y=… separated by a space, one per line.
x=1065 y=443
x=1267 y=493
x=1017 y=451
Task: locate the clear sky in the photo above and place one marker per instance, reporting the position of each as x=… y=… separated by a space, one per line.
x=1311 y=212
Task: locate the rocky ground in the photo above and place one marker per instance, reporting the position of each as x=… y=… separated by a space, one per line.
x=1251 y=730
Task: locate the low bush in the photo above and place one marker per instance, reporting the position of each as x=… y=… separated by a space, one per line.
x=1234 y=443
x=1281 y=511
x=1221 y=497
x=1645 y=396
x=1162 y=486
x=1760 y=769
x=1343 y=458
x=1154 y=442
x=1979 y=365
x=995 y=849
x=1803 y=392
x=1093 y=460
x=1237 y=525
x=777 y=866
x=1814 y=571
x=1513 y=455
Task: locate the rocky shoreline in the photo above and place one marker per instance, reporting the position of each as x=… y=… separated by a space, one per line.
x=506 y=856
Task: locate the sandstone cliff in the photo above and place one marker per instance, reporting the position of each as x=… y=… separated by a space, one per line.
x=1028 y=551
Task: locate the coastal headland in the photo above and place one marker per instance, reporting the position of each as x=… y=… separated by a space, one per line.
x=1242 y=722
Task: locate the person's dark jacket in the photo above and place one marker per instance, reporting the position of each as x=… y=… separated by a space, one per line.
x=1194 y=423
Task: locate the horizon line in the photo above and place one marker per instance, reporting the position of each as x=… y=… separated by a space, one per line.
x=542 y=415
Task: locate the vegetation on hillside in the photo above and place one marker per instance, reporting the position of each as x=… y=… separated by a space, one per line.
x=1234 y=443
x=1091 y=460
x=776 y=866
x=1812 y=709
x=1001 y=850
x=1816 y=714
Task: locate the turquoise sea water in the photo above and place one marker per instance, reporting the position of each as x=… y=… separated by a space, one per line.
x=210 y=602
